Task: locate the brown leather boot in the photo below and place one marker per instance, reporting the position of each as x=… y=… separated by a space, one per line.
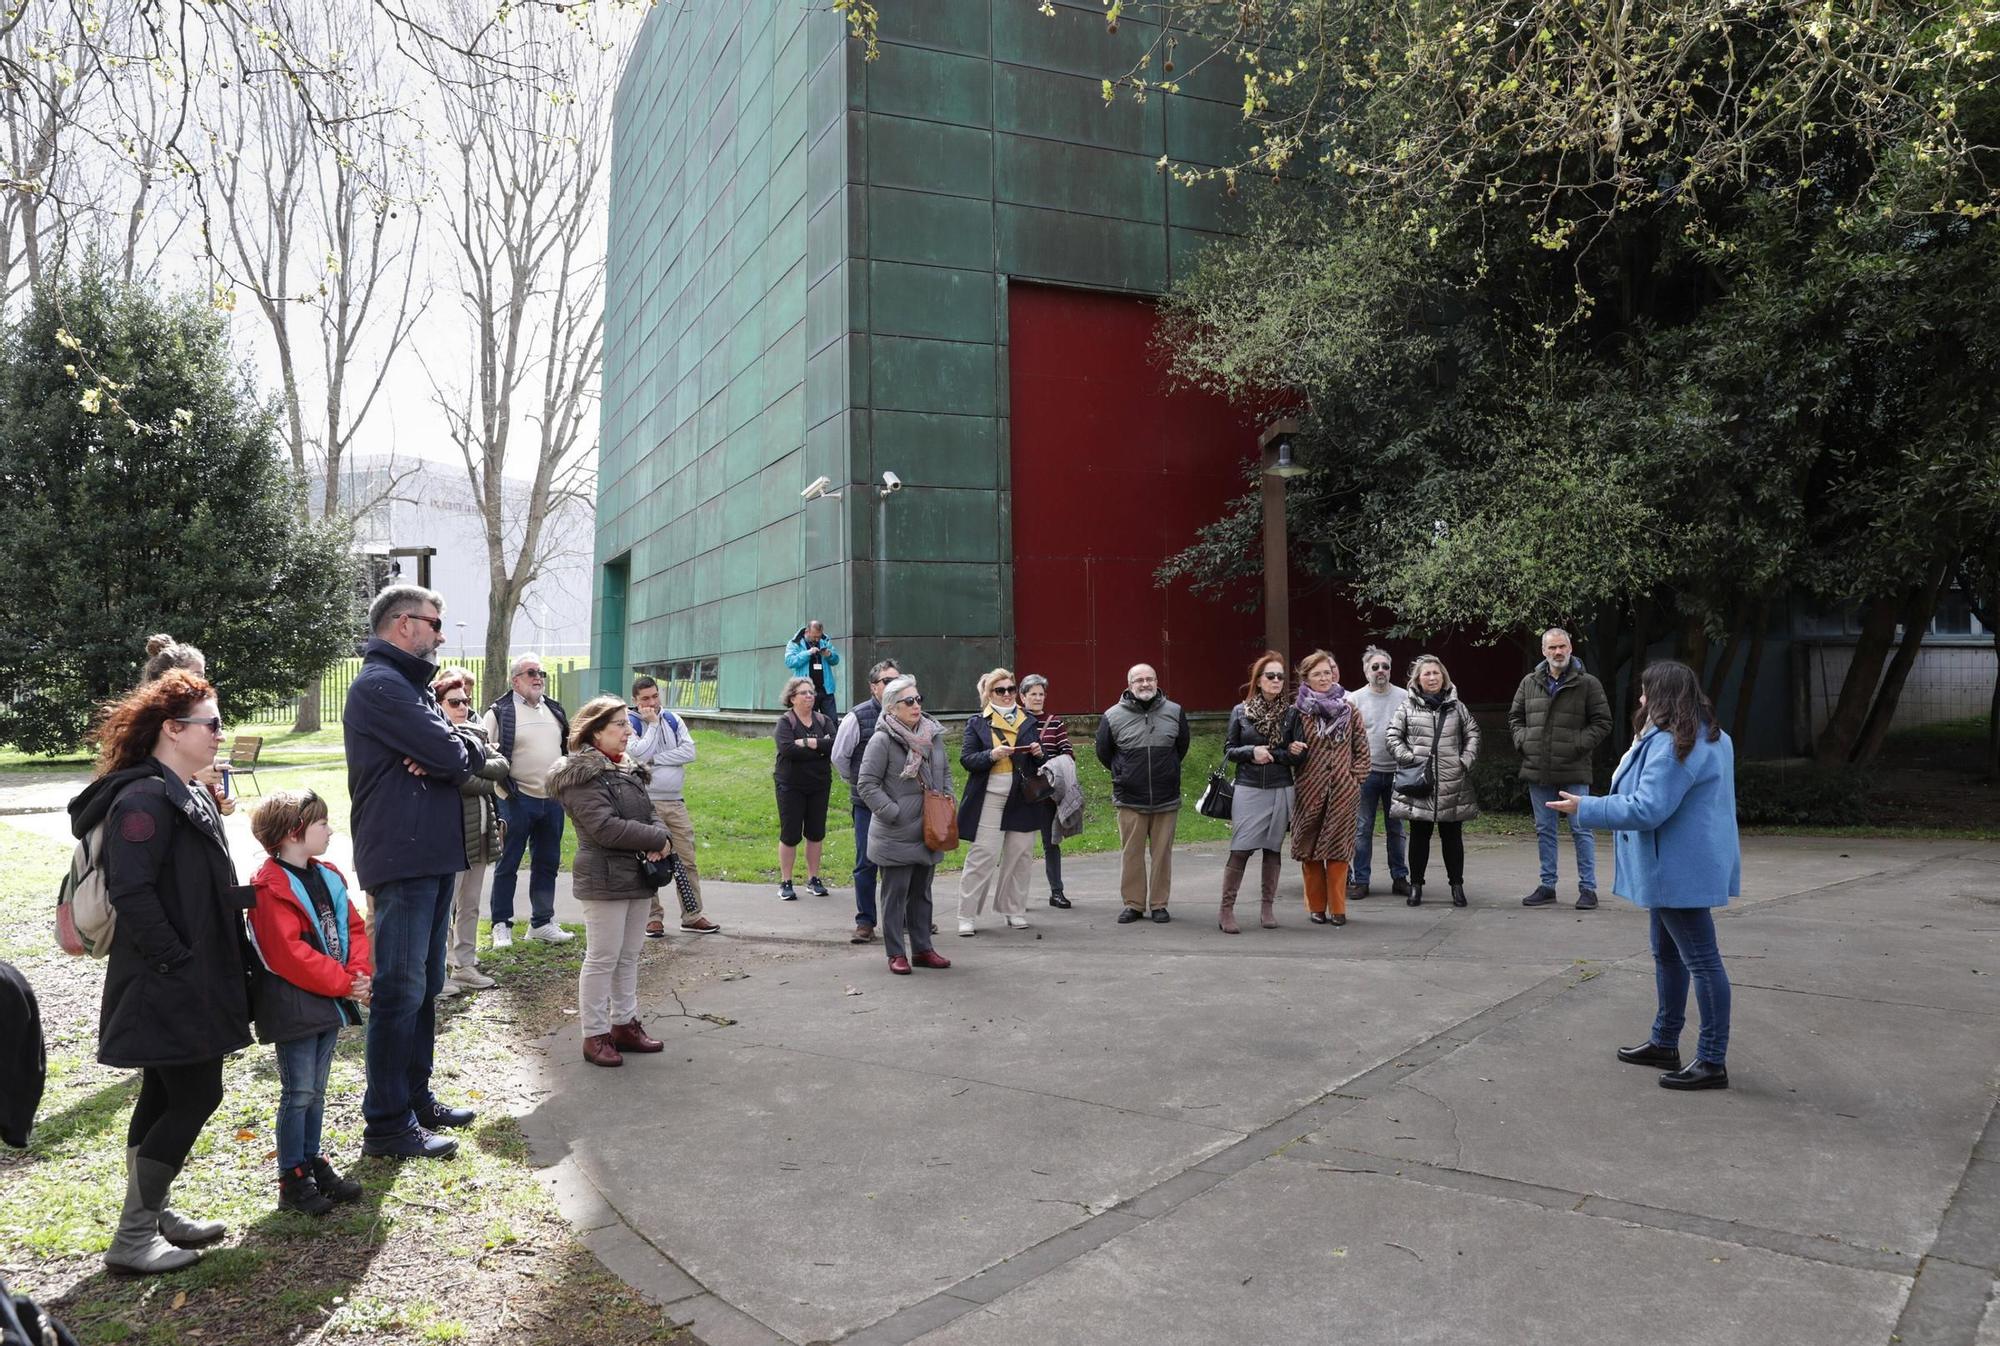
x=1227 y=920
x=599 y=1051
x=1232 y=881
x=1274 y=865
x=631 y=1037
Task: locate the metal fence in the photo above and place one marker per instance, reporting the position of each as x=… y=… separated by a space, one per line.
x=333 y=684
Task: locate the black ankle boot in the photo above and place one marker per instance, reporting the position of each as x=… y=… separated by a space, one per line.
x=1416 y=897
x=1458 y=894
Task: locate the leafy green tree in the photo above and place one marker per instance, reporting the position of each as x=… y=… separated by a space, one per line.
x=143 y=488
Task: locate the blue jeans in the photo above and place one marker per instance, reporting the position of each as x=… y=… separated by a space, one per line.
x=1375 y=791
x=864 y=870
x=302 y=1070
x=1545 y=836
x=1684 y=950
x=539 y=821
x=412 y=918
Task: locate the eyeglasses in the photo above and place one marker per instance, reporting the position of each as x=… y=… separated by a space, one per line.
x=458 y=701
x=1008 y=690
x=909 y=701
x=212 y=723
x=531 y=673
x=1378 y=668
x=435 y=623
x=1273 y=677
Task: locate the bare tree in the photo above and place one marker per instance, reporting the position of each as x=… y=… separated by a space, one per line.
x=327 y=247
x=526 y=219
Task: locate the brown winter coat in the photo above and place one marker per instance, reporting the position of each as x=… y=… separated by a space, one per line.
x=1451 y=735
x=1327 y=789
x=614 y=823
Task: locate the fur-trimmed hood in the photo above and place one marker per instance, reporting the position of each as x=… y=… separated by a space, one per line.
x=586 y=765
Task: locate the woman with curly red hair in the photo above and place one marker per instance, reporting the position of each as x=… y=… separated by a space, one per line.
x=175 y=998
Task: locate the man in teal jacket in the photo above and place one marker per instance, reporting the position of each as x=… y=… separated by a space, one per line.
x=811 y=655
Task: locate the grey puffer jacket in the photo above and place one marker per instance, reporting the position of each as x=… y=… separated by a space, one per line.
x=477 y=796
x=1448 y=733
x=896 y=831
x=615 y=825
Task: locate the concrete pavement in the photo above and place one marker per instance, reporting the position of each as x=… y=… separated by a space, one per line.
x=1410 y=1129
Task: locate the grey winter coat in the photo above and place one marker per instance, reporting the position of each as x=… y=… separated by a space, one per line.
x=896 y=832
x=1558 y=735
x=614 y=821
x=476 y=797
x=1451 y=735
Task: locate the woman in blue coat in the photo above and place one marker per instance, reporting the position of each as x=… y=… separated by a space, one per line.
x=1673 y=808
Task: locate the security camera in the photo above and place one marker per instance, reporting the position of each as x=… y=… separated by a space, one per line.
x=891 y=483
x=817 y=489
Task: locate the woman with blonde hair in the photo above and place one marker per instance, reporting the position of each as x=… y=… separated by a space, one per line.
x=1434 y=726
x=605 y=798
x=996 y=818
x=1327 y=787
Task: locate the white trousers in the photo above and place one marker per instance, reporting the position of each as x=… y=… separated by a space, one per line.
x=607 y=990
x=460 y=949
x=997 y=863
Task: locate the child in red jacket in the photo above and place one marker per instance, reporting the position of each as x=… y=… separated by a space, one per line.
x=314 y=947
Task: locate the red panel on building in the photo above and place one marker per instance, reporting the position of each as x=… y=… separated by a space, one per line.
x=1115 y=469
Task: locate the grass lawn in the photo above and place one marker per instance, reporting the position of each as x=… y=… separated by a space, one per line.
x=471 y=1250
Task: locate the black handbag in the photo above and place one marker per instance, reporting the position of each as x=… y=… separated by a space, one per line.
x=1418 y=782
x=1218 y=800
x=657 y=874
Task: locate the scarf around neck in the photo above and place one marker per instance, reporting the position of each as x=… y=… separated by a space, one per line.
x=1266 y=715
x=917 y=742
x=1330 y=706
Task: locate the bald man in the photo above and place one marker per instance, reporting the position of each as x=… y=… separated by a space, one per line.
x=1141 y=741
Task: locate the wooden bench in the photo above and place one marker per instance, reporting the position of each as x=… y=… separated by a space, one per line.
x=243 y=755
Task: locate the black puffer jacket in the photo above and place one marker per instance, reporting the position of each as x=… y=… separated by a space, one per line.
x=1243 y=741
x=176 y=990
x=1557 y=734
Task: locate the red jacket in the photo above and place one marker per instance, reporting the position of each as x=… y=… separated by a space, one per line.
x=289 y=950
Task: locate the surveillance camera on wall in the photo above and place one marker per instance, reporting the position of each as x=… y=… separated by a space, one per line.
x=891 y=483
x=817 y=489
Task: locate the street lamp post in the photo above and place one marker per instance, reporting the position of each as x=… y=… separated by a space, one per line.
x=1275 y=444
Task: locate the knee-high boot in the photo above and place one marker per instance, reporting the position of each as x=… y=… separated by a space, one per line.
x=1232 y=882
x=1274 y=864
x=137 y=1247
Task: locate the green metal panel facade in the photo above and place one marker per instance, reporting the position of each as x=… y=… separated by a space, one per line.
x=809 y=256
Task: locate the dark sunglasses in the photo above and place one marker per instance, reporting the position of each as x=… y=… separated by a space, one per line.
x=531 y=673
x=1378 y=668
x=909 y=701
x=1008 y=690
x=212 y=723
x=458 y=701
x=1273 y=677
x=434 y=623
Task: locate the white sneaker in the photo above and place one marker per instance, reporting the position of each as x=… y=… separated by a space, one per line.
x=469 y=979
x=550 y=934
x=503 y=934
x=1018 y=922
x=967 y=928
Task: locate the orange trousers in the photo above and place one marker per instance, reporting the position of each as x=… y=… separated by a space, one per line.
x=1326 y=886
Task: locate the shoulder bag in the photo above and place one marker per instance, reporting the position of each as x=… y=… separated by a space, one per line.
x=1218 y=799
x=940 y=821
x=1417 y=782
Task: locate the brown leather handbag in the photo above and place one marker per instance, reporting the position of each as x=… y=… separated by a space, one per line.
x=940 y=821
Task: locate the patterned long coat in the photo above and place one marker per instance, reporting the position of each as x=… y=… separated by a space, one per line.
x=1327 y=790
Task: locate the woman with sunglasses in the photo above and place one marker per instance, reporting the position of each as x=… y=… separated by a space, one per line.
x=1266 y=741
x=176 y=1001
x=996 y=819
x=904 y=758
x=483 y=833
x=1054 y=736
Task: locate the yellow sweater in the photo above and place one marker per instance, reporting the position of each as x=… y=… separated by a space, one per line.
x=1004 y=733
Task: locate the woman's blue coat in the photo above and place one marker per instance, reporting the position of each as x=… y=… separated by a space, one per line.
x=1675 y=822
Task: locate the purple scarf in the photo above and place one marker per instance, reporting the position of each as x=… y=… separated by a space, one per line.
x=1331 y=705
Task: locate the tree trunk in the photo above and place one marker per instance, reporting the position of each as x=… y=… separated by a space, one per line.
x=1857 y=690
x=1753 y=664
x=1918 y=606
x=1692 y=645
x=1642 y=636
x=1720 y=675
x=308 y=721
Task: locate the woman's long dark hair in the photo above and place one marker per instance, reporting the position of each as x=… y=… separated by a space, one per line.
x=1677 y=704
